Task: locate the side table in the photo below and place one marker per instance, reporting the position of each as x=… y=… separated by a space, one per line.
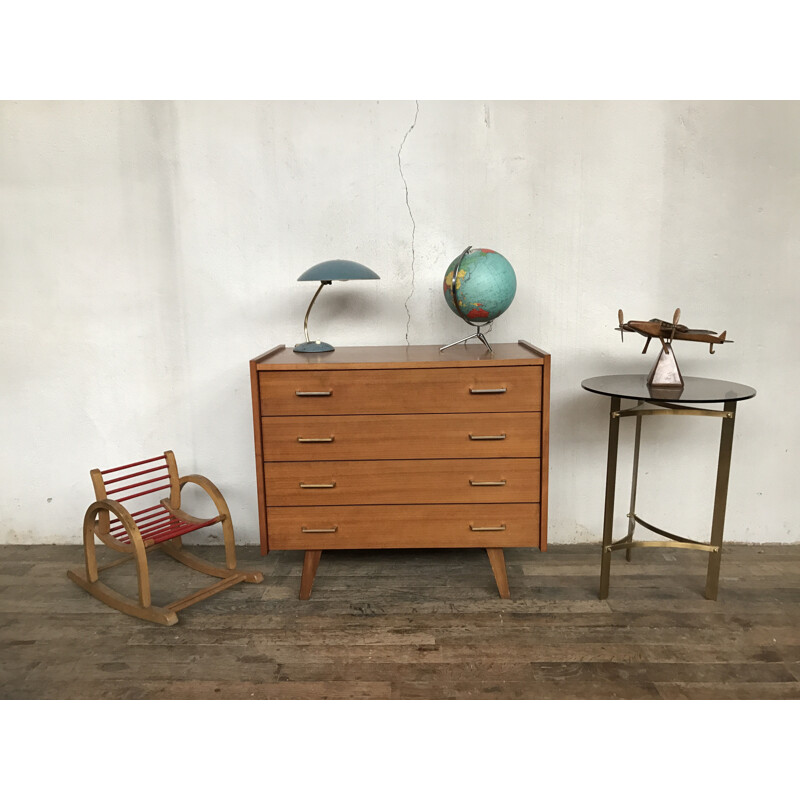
x=655 y=401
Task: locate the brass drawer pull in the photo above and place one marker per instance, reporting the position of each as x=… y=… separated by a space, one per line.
x=315 y=394
x=318 y=485
x=313 y=441
x=487 y=483
x=487 y=391
x=320 y=530
x=497 y=438
x=498 y=528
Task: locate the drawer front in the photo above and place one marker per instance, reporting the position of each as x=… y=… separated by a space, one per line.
x=458 y=481
x=401 y=436
x=341 y=527
x=401 y=391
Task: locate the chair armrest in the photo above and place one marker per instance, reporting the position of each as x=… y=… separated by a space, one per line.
x=120 y=512
x=115 y=508
x=210 y=489
x=180 y=514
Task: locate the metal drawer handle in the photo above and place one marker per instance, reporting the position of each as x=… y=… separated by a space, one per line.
x=320 y=530
x=487 y=391
x=487 y=483
x=498 y=528
x=315 y=394
x=313 y=441
x=318 y=485
x=497 y=438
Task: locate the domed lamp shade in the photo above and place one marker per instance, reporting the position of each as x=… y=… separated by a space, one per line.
x=326 y=273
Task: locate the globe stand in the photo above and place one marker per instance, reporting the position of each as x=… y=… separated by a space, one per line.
x=479 y=335
x=478 y=315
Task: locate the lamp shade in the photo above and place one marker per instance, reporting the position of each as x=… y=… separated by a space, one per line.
x=339 y=270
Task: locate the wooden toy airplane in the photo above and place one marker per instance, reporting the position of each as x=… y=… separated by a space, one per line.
x=665 y=332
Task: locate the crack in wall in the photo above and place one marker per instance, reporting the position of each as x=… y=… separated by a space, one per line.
x=413 y=222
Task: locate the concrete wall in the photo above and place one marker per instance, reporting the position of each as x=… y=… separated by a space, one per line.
x=149 y=250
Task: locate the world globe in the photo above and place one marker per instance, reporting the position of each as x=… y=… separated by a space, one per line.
x=479 y=286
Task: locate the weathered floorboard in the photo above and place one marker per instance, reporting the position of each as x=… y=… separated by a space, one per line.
x=417 y=624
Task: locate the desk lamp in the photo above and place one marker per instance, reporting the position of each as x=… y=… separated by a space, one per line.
x=325 y=273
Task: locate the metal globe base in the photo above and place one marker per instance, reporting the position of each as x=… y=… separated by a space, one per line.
x=477 y=335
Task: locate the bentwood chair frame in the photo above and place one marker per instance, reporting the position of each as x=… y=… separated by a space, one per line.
x=161 y=526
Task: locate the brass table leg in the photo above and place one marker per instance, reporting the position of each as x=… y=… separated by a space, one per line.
x=720 y=499
x=634 y=481
x=611 y=483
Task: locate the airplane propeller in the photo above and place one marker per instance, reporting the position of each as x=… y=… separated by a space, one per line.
x=675 y=317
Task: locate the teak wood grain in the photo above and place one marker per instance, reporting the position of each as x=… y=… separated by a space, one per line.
x=401 y=436
x=489 y=480
x=417 y=391
x=408 y=443
x=498 y=562
x=418 y=356
x=405 y=526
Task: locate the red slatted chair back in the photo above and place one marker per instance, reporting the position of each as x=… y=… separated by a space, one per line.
x=133 y=486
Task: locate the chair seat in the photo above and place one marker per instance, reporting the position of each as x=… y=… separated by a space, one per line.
x=157 y=525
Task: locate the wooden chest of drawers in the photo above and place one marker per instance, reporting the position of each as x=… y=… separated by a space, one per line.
x=399 y=447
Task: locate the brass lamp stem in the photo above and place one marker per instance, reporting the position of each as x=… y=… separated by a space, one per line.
x=305 y=321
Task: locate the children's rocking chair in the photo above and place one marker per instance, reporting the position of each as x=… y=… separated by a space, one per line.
x=159 y=526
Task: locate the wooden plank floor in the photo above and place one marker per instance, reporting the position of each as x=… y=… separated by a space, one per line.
x=413 y=625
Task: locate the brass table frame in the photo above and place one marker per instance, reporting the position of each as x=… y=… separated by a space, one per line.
x=714 y=547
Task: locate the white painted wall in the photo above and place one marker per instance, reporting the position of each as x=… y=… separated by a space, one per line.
x=149 y=250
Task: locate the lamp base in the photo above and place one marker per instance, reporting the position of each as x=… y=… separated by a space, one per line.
x=313 y=347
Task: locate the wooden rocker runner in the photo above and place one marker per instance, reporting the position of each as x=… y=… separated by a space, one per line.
x=156 y=526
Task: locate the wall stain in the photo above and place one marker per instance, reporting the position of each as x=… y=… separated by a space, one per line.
x=413 y=223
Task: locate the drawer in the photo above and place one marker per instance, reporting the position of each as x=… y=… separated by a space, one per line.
x=336 y=527
x=401 y=391
x=401 y=436
x=458 y=481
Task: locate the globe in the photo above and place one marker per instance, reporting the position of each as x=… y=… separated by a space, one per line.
x=485 y=285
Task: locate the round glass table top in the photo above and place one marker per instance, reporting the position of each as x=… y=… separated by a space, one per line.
x=694 y=390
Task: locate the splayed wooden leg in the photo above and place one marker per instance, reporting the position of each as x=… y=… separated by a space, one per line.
x=310 y=564
x=498 y=562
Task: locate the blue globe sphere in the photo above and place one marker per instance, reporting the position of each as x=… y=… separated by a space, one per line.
x=479 y=285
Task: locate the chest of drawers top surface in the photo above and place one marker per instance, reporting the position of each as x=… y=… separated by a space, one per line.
x=399 y=357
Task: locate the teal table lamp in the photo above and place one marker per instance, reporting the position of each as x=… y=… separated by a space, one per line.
x=326 y=273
